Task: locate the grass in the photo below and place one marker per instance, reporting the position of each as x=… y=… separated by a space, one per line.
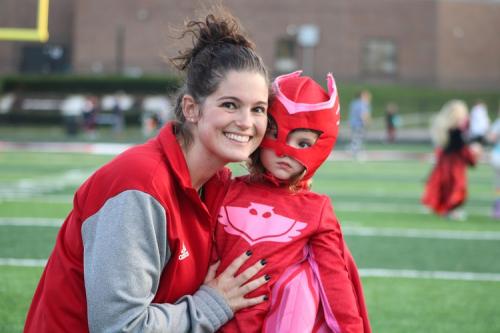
x=408 y=305
x=426 y=254
x=377 y=195
x=16 y=290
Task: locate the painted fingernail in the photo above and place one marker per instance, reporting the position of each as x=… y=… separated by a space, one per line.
x=248 y=253
x=266 y=298
x=267 y=277
x=263 y=262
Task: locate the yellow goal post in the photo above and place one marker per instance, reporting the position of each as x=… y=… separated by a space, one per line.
x=39 y=34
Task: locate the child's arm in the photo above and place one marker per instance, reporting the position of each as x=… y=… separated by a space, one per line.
x=472 y=153
x=340 y=289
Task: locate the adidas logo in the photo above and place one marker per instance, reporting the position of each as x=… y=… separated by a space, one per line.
x=184 y=253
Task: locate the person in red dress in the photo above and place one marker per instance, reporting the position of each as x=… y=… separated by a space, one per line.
x=446 y=188
x=314 y=284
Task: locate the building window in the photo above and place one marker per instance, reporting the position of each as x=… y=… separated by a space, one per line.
x=44 y=58
x=285 y=55
x=380 y=57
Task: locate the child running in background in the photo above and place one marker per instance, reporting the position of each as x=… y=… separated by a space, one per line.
x=446 y=188
x=494 y=138
x=313 y=284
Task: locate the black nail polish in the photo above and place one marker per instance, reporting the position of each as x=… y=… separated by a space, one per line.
x=248 y=253
x=267 y=277
x=263 y=262
x=266 y=298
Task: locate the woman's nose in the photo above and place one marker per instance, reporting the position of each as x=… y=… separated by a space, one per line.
x=244 y=119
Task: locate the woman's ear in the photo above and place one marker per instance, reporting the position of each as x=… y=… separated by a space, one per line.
x=190 y=109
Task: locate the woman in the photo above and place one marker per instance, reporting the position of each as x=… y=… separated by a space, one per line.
x=134 y=251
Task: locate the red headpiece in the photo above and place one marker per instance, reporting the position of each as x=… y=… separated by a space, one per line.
x=301 y=103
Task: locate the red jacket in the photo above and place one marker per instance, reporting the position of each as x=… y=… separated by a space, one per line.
x=138 y=237
x=288 y=229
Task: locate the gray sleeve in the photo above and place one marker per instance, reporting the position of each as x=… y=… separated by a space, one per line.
x=125 y=251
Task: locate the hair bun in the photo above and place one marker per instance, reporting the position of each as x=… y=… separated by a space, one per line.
x=214 y=31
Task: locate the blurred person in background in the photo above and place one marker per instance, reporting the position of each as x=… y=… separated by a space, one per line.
x=359 y=118
x=391 y=121
x=494 y=138
x=118 y=111
x=156 y=111
x=90 y=112
x=479 y=122
x=72 y=110
x=446 y=188
x=134 y=253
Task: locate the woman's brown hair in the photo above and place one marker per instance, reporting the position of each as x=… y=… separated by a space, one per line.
x=219 y=46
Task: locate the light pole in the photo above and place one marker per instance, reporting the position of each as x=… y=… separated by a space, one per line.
x=308 y=38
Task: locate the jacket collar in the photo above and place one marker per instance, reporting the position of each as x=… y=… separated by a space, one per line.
x=174 y=155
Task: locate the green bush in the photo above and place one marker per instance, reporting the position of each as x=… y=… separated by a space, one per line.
x=54 y=86
x=62 y=84
x=412 y=99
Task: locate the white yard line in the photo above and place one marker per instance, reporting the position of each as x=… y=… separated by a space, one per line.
x=28 y=188
x=66 y=147
x=40 y=198
x=30 y=222
x=439 y=275
x=421 y=233
x=347 y=230
x=378 y=207
x=23 y=262
x=365 y=272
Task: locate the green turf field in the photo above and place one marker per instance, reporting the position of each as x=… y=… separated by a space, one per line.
x=421 y=273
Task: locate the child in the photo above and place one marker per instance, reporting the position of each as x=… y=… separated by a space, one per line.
x=273 y=213
x=392 y=121
x=446 y=188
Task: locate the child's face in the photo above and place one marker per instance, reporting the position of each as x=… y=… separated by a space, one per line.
x=284 y=167
x=462 y=118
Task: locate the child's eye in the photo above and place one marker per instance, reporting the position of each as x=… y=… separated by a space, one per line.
x=304 y=144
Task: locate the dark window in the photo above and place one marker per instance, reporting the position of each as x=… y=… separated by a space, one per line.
x=47 y=58
x=380 y=57
x=285 y=55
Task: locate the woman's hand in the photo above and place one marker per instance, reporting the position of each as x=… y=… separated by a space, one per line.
x=234 y=288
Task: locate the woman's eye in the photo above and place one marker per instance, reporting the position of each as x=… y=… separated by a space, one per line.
x=229 y=105
x=260 y=109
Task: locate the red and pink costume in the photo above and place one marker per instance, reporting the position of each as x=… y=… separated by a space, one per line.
x=314 y=285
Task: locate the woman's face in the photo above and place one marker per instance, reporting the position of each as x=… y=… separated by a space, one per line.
x=233 y=120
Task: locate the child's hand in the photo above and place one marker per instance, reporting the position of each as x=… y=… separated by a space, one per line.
x=234 y=288
x=476 y=149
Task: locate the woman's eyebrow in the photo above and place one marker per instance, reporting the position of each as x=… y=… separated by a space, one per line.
x=236 y=99
x=229 y=97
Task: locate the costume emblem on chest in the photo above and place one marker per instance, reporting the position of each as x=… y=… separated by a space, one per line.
x=259 y=223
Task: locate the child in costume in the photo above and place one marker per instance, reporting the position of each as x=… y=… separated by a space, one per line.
x=446 y=188
x=313 y=283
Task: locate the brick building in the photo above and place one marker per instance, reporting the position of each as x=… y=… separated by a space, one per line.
x=444 y=43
